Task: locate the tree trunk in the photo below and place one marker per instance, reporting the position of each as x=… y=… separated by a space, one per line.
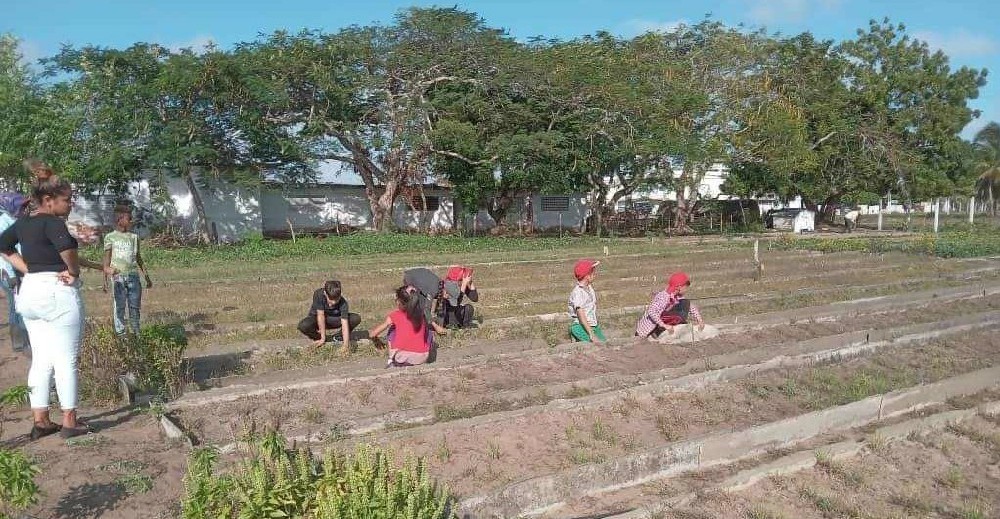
x=498 y=207
x=691 y=176
x=203 y=227
x=828 y=207
x=382 y=207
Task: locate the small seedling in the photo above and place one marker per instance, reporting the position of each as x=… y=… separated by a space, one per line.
x=953 y=478
x=576 y=392
x=493 y=450
x=666 y=427
x=87 y=440
x=624 y=406
x=761 y=512
x=878 y=443
x=337 y=432
x=312 y=415
x=974 y=511
x=133 y=484
x=603 y=433
x=364 y=394
x=123 y=467
x=443 y=452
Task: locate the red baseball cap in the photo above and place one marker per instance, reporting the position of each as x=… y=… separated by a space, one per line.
x=584 y=267
x=457 y=273
x=677 y=279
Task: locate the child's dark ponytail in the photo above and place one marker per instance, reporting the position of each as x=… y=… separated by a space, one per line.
x=409 y=297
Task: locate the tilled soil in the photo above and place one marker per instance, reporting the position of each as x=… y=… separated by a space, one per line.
x=483 y=453
x=947 y=474
x=521 y=382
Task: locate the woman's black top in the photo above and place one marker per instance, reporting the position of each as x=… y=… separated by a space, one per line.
x=42 y=238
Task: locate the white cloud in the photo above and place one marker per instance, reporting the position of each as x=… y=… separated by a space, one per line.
x=31 y=52
x=959 y=43
x=767 y=12
x=644 y=26
x=198 y=44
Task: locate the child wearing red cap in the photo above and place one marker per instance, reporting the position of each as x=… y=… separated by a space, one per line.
x=455 y=288
x=669 y=308
x=583 y=304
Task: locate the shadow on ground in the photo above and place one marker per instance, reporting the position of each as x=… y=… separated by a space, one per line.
x=89 y=500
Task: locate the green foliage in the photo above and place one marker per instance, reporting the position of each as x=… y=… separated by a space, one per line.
x=18 y=489
x=257 y=249
x=272 y=481
x=154 y=358
x=438 y=94
x=973 y=243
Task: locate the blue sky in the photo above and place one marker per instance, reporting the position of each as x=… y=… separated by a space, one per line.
x=964 y=29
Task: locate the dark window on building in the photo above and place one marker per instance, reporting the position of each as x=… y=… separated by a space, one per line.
x=555 y=204
x=433 y=203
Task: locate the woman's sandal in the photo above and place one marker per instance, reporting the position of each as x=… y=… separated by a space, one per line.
x=72 y=432
x=41 y=432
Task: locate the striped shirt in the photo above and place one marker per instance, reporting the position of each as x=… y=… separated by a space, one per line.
x=662 y=301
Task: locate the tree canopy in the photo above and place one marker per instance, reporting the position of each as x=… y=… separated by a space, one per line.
x=439 y=96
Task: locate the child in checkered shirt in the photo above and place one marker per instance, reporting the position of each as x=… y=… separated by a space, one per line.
x=669 y=308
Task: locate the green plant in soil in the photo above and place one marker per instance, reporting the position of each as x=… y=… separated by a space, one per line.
x=155 y=358
x=272 y=481
x=18 y=489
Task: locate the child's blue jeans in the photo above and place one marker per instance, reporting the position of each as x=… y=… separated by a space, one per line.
x=128 y=297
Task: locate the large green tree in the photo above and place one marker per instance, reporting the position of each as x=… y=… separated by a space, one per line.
x=31 y=117
x=363 y=96
x=987 y=165
x=182 y=113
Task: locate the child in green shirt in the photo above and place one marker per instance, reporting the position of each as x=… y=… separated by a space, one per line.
x=121 y=253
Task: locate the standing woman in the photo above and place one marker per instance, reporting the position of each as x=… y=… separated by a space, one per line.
x=49 y=299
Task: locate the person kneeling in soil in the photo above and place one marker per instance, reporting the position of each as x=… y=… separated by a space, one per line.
x=583 y=304
x=407 y=335
x=329 y=311
x=427 y=287
x=669 y=308
x=457 y=285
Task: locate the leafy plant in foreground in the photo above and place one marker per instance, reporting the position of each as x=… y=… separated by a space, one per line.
x=273 y=481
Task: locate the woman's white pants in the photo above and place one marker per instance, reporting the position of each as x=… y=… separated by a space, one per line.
x=53 y=316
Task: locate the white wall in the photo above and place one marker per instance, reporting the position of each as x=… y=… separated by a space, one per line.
x=235 y=210
x=324 y=207
x=709 y=187
x=571 y=218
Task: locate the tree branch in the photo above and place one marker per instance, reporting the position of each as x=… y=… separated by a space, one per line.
x=463 y=158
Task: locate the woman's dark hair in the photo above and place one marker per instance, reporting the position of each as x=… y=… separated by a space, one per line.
x=46 y=182
x=410 y=298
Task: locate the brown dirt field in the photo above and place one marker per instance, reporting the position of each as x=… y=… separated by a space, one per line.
x=943 y=474
x=521 y=382
x=474 y=456
x=87 y=479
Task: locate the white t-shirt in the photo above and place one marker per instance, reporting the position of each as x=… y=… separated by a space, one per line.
x=583 y=297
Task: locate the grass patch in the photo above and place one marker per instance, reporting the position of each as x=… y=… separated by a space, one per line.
x=154 y=358
x=972 y=242
x=450 y=412
x=256 y=249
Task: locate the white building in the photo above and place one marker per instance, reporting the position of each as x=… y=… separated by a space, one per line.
x=710 y=188
x=236 y=211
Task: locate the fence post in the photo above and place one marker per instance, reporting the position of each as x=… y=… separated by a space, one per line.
x=560 y=225
x=972 y=209
x=880 y=213
x=937 y=211
x=758 y=271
